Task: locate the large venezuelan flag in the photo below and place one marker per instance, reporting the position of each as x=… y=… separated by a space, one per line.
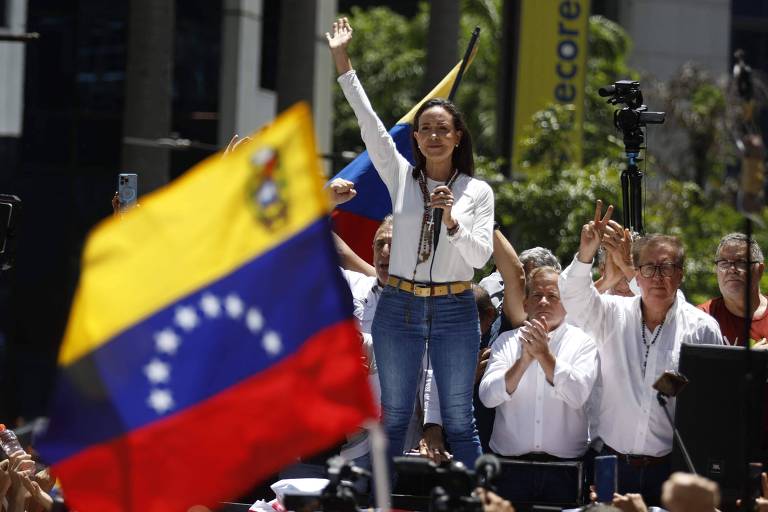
x=211 y=338
x=357 y=220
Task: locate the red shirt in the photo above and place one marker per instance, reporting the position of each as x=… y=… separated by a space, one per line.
x=732 y=326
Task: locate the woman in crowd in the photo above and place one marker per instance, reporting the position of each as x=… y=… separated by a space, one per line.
x=428 y=295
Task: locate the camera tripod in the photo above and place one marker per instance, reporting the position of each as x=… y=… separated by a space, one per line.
x=631 y=119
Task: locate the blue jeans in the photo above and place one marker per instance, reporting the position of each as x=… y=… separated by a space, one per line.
x=402 y=326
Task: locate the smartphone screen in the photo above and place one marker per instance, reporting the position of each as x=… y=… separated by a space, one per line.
x=606 y=478
x=127 y=190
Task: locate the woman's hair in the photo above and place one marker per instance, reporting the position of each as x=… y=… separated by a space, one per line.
x=463 y=158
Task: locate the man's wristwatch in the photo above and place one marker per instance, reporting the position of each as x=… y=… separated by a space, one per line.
x=496 y=226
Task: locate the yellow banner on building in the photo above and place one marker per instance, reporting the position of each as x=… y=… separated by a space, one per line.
x=551 y=62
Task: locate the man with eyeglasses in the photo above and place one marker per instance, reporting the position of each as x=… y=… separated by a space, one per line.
x=732 y=261
x=638 y=338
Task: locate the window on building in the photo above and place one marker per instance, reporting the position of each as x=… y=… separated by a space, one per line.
x=270 y=41
x=3 y=13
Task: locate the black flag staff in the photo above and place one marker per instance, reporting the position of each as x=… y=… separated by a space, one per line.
x=464 y=62
x=750 y=200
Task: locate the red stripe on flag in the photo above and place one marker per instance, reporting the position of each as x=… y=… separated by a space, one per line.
x=357 y=231
x=220 y=448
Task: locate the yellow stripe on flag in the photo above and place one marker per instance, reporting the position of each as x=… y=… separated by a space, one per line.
x=197 y=229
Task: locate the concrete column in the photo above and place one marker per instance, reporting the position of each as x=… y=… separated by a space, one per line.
x=324 y=83
x=12 y=87
x=243 y=105
x=296 y=54
x=149 y=85
x=442 y=41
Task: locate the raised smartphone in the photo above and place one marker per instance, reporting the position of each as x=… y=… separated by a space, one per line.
x=127 y=190
x=606 y=477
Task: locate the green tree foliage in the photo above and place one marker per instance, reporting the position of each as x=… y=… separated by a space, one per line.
x=549 y=207
x=696 y=110
x=477 y=94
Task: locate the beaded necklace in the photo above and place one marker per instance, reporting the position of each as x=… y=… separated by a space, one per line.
x=648 y=345
x=427 y=220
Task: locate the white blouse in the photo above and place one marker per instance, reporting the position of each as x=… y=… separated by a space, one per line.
x=457 y=255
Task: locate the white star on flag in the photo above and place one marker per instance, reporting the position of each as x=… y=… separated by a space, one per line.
x=210 y=305
x=157 y=371
x=167 y=342
x=160 y=400
x=233 y=305
x=186 y=318
x=254 y=320
x=272 y=343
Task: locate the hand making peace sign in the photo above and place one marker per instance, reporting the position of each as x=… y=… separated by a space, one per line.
x=592 y=232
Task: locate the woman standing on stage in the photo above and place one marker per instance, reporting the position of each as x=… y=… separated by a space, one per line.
x=428 y=297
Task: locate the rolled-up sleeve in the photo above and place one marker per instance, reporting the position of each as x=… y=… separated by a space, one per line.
x=475 y=244
x=493 y=386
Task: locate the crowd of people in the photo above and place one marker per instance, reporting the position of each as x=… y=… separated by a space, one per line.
x=547 y=365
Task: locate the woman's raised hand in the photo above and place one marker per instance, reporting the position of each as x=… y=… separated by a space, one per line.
x=338 y=40
x=340 y=35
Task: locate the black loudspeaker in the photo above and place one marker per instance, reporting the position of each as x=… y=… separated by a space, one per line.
x=710 y=414
x=566 y=477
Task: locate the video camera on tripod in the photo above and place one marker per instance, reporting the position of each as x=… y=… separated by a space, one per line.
x=631 y=119
x=453 y=482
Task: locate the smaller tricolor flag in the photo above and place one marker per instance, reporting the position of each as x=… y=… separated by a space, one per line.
x=211 y=338
x=356 y=221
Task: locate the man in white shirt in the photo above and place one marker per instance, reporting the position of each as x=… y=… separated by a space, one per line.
x=638 y=338
x=538 y=379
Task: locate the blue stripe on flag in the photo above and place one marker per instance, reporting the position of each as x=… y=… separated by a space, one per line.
x=240 y=322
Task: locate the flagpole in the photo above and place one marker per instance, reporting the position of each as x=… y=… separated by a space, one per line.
x=464 y=62
x=379 y=460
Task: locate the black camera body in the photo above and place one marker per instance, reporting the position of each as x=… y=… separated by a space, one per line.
x=452 y=482
x=634 y=115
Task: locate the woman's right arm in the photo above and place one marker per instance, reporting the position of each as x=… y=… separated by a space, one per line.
x=389 y=163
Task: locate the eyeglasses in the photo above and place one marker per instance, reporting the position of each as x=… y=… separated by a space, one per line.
x=739 y=265
x=665 y=269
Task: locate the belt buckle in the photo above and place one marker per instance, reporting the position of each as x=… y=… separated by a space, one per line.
x=421 y=290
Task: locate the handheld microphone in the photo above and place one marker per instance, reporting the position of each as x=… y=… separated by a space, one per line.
x=437 y=219
x=487 y=468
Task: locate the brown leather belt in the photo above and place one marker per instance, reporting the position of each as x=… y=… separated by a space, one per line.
x=429 y=290
x=637 y=460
